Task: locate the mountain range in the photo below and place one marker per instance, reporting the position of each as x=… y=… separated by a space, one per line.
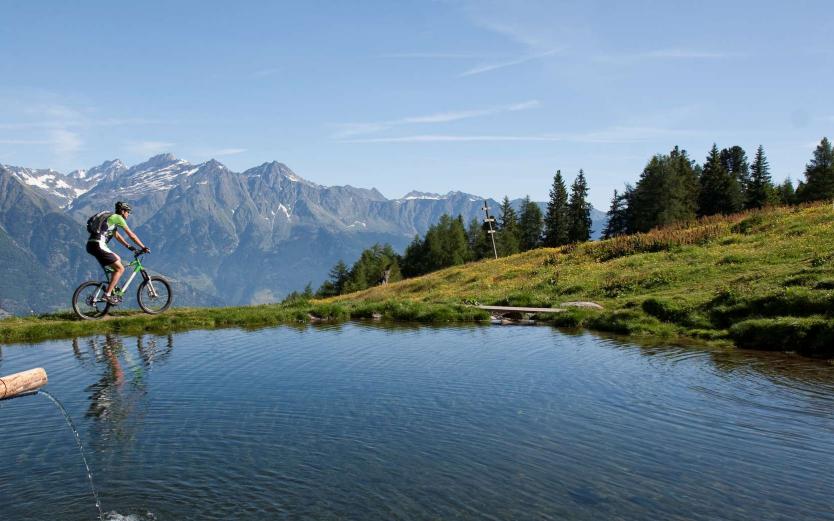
x=223 y=237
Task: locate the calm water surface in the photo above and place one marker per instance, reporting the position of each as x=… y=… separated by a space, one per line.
x=366 y=423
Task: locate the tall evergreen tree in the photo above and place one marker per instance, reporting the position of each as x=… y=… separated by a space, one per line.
x=760 y=190
x=508 y=233
x=579 y=210
x=785 y=192
x=556 y=217
x=335 y=284
x=734 y=161
x=819 y=174
x=720 y=191
x=415 y=258
x=445 y=244
x=369 y=270
x=530 y=224
x=666 y=192
x=479 y=242
x=617 y=217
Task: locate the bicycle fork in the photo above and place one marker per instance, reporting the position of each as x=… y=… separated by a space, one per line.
x=147 y=278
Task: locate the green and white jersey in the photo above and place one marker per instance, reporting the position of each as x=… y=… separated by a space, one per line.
x=113 y=222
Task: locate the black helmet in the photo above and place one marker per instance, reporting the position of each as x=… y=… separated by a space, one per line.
x=122 y=206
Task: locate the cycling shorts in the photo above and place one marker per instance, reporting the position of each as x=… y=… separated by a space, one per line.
x=102 y=253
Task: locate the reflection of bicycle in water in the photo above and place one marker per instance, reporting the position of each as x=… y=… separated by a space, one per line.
x=118 y=400
x=154 y=294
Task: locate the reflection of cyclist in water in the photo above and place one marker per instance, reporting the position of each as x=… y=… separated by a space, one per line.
x=101 y=231
x=122 y=388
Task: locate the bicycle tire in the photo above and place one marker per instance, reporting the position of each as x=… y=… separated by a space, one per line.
x=83 y=308
x=145 y=299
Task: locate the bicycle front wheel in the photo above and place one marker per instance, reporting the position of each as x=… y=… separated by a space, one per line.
x=88 y=300
x=154 y=295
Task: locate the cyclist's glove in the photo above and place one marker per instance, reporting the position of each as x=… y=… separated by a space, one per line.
x=145 y=250
x=131 y=248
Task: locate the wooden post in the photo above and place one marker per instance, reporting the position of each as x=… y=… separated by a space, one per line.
x=19 y=383
x=489 y=220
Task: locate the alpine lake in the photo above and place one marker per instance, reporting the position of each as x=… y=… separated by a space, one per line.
x=368 y=421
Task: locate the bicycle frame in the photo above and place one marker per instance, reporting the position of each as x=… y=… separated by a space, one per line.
x=136 y=264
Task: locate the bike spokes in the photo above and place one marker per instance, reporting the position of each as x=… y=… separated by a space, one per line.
x=88 y=300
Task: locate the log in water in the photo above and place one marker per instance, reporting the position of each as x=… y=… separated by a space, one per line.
x=21 y=383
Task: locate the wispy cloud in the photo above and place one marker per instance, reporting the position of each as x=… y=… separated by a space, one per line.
x=444 y=138
x=25 y=142
x=79 y=123
x=608 y=135
x=347 y=130
x=148 y=148
x=226 y=152
x=435 y=55
x=65 y=142
x=62 y=142
x=501 y=65
x=667 y=54
x=52 y=123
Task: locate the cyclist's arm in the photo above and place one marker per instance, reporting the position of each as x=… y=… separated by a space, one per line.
x=121 y=239
x=133 y=237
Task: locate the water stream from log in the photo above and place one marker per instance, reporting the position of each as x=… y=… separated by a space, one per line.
x=80 y=448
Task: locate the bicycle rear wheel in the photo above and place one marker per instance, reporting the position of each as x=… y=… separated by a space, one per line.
x=155 y=295
x=88 y=300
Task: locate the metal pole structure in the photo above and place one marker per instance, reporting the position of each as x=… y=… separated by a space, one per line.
x=489 y=220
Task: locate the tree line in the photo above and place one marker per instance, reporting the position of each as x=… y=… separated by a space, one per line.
x=450 y=242
x=672 y=188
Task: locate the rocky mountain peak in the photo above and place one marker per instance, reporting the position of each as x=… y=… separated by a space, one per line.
x=214 y=164
x=162 y=159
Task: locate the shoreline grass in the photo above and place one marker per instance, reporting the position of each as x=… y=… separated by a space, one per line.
x=760 y=279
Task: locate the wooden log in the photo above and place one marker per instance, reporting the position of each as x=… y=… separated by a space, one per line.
x=19 y=383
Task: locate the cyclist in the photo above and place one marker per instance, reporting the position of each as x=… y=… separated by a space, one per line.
x=97 y=246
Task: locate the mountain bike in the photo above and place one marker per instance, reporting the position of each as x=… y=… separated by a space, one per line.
x=154 y=294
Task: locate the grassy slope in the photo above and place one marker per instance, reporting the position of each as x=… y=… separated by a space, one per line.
x=760 y=279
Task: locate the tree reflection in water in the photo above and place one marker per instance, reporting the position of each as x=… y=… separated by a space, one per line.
x=118 y=398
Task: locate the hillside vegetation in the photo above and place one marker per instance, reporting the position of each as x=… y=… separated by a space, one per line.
x=761 y=279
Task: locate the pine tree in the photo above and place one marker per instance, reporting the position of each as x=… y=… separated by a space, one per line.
x=734 y=161
x=819 y=175
x=760 y=190
x=530 y=224
x=720 y=191
x=445 y=244
x=617 y=217
x=414 y=258
x=579 y=210
x=556 y=217
x=478 y=239
x=508 y=232
x=666 y=193
x=785 y=193
x=337 y=277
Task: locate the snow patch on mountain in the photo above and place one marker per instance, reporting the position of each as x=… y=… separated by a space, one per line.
x=414 y=194
x=49 y=183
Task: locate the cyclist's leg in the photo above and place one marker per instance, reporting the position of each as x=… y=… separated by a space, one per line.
x=107 y=259
x=118 y=269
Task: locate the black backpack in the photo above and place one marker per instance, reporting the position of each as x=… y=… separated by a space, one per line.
x=97 y=224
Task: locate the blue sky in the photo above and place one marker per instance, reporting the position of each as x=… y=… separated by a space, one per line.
x=487 y=97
